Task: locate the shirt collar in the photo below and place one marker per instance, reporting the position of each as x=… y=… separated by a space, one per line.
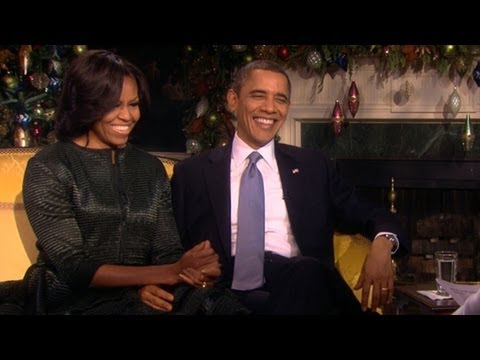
x=240 y=151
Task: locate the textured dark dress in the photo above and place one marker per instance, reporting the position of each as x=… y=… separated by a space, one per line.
x=92 y=207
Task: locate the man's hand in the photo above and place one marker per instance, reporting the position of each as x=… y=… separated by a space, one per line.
x=155 y=297
x=200 y=266
x=377 y=274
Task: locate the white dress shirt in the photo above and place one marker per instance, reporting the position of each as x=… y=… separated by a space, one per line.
x=278 y=232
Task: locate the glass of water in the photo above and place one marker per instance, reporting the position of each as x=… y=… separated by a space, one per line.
x=446 y=268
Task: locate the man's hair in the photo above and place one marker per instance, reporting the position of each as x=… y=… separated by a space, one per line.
x=242 y=73
x=91 y=88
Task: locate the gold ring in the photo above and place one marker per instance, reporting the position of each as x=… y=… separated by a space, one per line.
x=384 y=289
x=204 y=284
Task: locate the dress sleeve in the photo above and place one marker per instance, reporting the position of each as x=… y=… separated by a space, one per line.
x=166 y=246
x=59 y=240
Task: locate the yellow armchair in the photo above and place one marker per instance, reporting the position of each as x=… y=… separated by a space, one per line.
x=17 y=243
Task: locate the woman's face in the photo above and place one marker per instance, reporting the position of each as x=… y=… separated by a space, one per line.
x=113 y=129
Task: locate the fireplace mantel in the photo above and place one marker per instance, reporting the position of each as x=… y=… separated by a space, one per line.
x=381 y=99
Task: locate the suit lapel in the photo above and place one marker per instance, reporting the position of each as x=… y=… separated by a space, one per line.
x=217 y=178
x=293 y=184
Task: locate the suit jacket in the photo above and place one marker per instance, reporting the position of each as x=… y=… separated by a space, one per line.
x=318 y=202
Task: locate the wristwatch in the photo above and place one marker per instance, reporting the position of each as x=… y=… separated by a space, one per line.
x=394 y=240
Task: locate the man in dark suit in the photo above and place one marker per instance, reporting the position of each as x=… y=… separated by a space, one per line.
x=304 y=202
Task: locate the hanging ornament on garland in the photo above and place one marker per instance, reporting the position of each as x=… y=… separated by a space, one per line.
x=353 y=99
x=283 y=52
x=468 y=135
x=314 y=59
x=476 y=74
x=454 y=102
x=337 y=118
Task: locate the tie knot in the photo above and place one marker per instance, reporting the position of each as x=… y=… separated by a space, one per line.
x=254 y=157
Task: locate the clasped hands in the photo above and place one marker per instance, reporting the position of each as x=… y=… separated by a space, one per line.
x=198 y=267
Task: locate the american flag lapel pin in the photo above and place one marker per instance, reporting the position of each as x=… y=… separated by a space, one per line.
x=295 y=171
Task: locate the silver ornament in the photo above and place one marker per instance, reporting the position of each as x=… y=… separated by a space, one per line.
x=202 y=107
x=314 y=59
x=454 y=102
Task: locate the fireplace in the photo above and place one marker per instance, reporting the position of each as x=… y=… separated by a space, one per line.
x=415 y=140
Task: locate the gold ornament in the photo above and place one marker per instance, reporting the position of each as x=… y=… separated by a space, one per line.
x=21 y=137
x=79 y=49
x=468 y=136
x=10 y=81
x=40 y=81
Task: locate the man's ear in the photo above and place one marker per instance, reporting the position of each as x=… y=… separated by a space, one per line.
x=232 y=100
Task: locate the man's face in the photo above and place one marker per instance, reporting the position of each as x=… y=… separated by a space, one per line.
x=261 y=107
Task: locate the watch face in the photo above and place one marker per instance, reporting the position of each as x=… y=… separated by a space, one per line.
x=394 y=241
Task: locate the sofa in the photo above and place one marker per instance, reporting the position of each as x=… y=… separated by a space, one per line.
x=17 y=241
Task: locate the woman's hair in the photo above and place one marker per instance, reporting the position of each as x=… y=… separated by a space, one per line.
x=91 y=88
x=242 y=73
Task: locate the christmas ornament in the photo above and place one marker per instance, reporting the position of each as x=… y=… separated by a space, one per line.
x=468 y=135
x=454 y=102
x=314 y=59
x=10 y=81
x=283 y=52
x=54 y=83
x=79 y=49
x=40 y=81
x=460 y=66
x=202 y=107
x=36 y=132
x=476 y=74
x=21 y=137
x=193 y=146
x=448 y=50
x=38 y=111
x=353 y=99
x=337 y=118
x=24 y=58
x=342 y=61
x=212 y=119
x=23 y=119
x=55 y=66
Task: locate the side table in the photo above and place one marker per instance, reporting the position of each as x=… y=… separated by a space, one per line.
x=407 y=301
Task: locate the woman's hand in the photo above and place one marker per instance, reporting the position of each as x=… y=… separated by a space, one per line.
x=200 y=266
x=155 y=297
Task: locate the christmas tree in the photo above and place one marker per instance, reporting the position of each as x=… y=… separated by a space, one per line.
x=30 y=81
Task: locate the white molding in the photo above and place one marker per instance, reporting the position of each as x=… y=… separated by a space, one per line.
x=381 y=99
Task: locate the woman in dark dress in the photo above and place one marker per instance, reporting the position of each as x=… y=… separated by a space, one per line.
x=101 y=210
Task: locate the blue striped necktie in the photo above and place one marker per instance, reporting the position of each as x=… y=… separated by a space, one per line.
x=248 y=268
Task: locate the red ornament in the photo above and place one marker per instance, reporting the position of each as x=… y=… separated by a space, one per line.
x=36 y=132
x=353 y=99
x=337 y=118
x=283 y=52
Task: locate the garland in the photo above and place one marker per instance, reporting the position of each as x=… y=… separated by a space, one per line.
x=208 y=70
